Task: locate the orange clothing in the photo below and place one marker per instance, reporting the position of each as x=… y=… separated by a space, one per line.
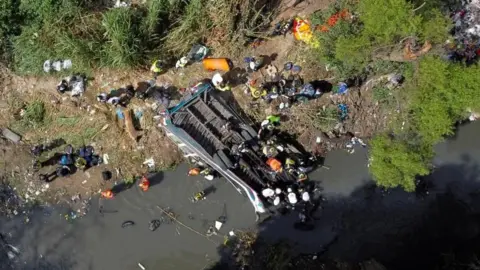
x=144 y=184
x=107 y=194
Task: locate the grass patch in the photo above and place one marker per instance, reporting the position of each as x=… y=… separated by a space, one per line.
x=382 y=94
x=34 y=114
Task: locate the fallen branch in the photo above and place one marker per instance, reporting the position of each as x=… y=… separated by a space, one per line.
x=419 y=7
x=185 y=226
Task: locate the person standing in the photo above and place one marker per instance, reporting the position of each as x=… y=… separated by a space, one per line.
x=156 y=69
x=144 y=184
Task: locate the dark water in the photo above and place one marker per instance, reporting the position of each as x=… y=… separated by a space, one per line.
x=364 y=222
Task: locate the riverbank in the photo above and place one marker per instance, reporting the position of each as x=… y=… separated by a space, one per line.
x=367 y=222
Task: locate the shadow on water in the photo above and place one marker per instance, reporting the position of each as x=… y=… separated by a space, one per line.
x=25 y=247
x=438 y=230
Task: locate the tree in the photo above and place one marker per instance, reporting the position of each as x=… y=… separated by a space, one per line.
x=394 y=163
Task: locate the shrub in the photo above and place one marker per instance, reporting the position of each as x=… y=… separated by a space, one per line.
x=394 y=163
x=351 y=46
x=10 y=20
x=388 y=21
x=122 y=48
x=34 y=114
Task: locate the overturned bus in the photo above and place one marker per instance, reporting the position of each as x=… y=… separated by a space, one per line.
x=208 y=129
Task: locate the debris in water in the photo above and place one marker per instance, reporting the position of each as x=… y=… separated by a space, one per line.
x=154 y=224
x=127 y=223
x=141 y=266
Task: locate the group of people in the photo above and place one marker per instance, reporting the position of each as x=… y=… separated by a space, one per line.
x=69 y=161
x=286 y=85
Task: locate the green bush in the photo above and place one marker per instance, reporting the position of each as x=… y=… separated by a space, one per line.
x=394 y=163
x=351 y=46
x=34 y=114
x=123 y=46
x=388 y=21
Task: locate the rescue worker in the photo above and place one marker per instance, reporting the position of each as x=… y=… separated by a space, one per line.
x=107 y=194
x=182 y=62
x=275 y=165
x=268 y=125
x=144 y=184
x=219 y=83
x=268 y=192
x=292 y=197
x=81 y=163
x=294 y=171
x=223 y=86
x=256 y=92
x=157 y=68
x=198 y=196
x=254 y=64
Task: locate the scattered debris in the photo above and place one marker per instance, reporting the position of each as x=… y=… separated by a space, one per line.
x=154 y=224
x=127 y=223
x=12 y=136
x=57 y=65
x=150 y=163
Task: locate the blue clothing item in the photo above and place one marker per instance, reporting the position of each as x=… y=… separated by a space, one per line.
x=66 y=160
x=89 y=151
x=307 y=90
x=89 y=160
x=120 y=114
x=248 y=59
x=343 y=111
x=342 y=88
x=82 y=152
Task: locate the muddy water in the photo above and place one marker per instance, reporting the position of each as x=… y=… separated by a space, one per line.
x=357 y=222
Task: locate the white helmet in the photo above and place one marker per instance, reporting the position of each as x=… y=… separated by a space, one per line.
x=276 y=201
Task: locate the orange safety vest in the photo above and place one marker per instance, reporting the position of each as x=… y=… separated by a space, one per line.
x=107 y=194
x=145 y=184
x=274 y=164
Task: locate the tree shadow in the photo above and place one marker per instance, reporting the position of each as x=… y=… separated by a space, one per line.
x=401 y=230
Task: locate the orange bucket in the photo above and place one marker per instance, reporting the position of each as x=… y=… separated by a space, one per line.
x=212 y=64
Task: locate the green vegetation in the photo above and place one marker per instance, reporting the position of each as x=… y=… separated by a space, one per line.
x=435 y=95
x=94 y=36
x=438 y=96
x=355 y=43
x=34 y=114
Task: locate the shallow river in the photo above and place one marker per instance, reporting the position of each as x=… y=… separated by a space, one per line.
x=364 y=221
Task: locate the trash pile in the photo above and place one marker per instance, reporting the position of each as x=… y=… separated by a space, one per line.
x=74 y=84
x=466 y=33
